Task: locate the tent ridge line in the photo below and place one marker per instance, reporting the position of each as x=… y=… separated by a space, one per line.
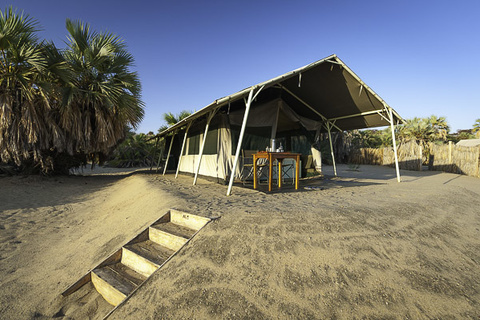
x=334 y=62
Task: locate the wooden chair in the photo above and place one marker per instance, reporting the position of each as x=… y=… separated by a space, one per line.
x=247 y=169
x=288 y=170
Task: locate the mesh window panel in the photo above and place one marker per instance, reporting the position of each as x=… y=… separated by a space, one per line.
x=212 y=142
x=194 y=143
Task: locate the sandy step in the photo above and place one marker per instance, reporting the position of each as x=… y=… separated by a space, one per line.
x=127 y=273
x=145 y=257
x=170 y=235
x=112 y=285
x=175 y=229
x=188 y=220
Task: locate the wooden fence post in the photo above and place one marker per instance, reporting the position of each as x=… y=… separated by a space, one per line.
x=450 y=147
x=478 y=161
x=420 y=156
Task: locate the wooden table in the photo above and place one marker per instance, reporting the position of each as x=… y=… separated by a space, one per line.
x=271 y=157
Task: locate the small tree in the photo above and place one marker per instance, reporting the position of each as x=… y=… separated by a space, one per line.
x=172 y=119
x=476 y=128
x=372 y=138
x=135 y=151
x=424 y=130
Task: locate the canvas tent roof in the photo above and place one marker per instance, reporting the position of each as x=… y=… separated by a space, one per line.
x=324 y=91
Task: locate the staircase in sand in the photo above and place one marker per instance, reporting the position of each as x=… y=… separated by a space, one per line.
x=118 y=276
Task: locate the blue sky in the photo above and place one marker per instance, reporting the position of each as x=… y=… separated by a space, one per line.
x=421 y=57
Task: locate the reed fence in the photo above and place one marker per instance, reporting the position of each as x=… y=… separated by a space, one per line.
x=455 y=159
x=446 y=157
x=409 y=156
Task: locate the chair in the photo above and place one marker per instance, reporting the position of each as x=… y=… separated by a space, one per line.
x=317 y=159
x=247 y=169
x=288 y=170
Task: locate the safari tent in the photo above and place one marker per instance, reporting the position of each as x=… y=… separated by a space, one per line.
x=321 y=97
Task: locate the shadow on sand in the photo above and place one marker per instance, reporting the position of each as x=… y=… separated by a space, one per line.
x=31 y=192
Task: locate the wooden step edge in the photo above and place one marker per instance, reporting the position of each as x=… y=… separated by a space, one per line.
x=127 y=273
x=136 y=289
x=187 y=219
x=119 y=279
x=108 y=291
x=113 y=258
x=77 y=285
x=175 y=229
x=166 y=239
x=142 y=236
x=138 y=263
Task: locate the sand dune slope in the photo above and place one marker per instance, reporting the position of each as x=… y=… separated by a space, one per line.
x=359 y=246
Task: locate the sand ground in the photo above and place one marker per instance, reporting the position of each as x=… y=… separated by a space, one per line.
x=358 y=246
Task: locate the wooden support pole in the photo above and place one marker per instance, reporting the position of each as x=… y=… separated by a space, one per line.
x=183 y=147
x=239 y=143
x=154 y=152
x=297 y=170
x=450 y=147
x=169 y=150
x=331 y=148
x=162 y=151
x=420 y=155
x=273 y=134
x=478 y=162
x=392 y=127
x=210 y=116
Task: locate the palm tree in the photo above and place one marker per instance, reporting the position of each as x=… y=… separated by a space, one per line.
x=476 y=128
x=439 y=128
x=135 y=151
x=172 y=119
x=103 y=95
x=25 y=127
x=386 y=137
x=424 y=130
x=413 y=129
x=58 y=107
